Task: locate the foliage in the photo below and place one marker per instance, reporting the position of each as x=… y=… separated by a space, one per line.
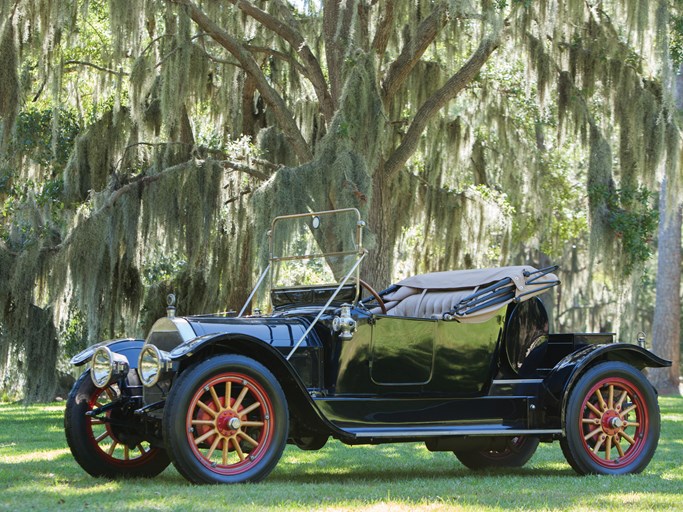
x=677 y=38
x=150 y=148
x=632 y=216
x=36 y=138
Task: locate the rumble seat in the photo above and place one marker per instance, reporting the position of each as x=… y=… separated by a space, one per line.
x=468 y=295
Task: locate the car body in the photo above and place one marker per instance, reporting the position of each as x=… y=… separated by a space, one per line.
x=460 y=360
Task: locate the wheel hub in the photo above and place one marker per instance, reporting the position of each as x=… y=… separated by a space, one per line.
x=611 y=423
x=228 y=423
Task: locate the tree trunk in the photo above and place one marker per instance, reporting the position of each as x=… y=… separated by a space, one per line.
x=379 y=262
x=666 y=322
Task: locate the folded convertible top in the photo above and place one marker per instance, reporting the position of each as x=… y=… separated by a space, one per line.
x=467 y=295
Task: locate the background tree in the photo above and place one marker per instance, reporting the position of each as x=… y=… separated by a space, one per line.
x=666 y=332
x=150 y=143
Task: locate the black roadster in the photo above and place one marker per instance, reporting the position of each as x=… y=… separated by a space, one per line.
x=460 y=360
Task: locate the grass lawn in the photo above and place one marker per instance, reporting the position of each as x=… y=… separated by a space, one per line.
x=37 y=472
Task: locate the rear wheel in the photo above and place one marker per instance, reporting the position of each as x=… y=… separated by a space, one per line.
x=110 y=445
x=611 y=422
x=516 y=453
x=226 y=421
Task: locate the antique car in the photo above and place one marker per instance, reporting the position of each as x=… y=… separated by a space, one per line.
x=459 y=360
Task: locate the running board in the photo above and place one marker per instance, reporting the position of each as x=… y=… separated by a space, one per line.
x=422 y=432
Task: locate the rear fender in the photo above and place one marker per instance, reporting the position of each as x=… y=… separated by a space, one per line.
x=299 y=400
x=566 y=373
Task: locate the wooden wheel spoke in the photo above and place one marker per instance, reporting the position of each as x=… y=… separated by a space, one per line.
x=593 y=409
x=608 y=447
x=253 y=423
x=628 y=410
x=126 y=452
x=592 y=433
x=113 y=446
x=247 y=438
x=238 y=448
x=110 y=394
x=202 y=438
x=216 y=400
x=617 y=445
x=142 y=449
x=240 y=397
x=620 y=402
x=96 y=422
x=626 y=424
x=589 y=421
x=102 y=436
x=204 y=422
x=225 y=452
x=247 y=410
x=213 y=446
x=628 y=438
x=610 y=397
x=601 y=400
x=598 y=445
x=207 y=409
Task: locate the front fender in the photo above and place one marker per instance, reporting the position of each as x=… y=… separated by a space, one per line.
x=565 y=374
x=297 y=394
x=128 y=347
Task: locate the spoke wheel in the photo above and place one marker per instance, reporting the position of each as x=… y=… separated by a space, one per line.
x=516 y=453
x=612 y=421
x=108 y=445
x=226 y=421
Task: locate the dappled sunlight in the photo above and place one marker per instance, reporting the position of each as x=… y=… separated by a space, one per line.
x=36 y=456
x=399 y=477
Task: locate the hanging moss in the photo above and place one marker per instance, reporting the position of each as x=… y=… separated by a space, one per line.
x=9 y=81
x=95 y=156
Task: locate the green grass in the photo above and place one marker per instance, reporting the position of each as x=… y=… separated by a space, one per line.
x=37 y=472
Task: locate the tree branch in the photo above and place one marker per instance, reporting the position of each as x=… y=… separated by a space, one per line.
x=100 y=68
x=275 y=53
x=288 y=31
x=250 y=66
x=236 y=166
x=412 y=52
x=337 y=19
x=437 y=101
x=381 y=39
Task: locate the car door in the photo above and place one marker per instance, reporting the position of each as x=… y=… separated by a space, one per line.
x=402 y=351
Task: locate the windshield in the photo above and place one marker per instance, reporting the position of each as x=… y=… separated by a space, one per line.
x=314 y=249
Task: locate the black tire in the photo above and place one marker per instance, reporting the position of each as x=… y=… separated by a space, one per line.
x=517 y=453
x=612 y=421
x=312 y=442
x=97 y=445
x=216 y=442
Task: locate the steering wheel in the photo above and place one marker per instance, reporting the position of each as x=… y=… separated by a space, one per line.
x=374 y=294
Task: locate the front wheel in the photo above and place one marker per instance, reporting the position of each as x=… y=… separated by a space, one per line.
x=109 y=445
x=517 y=452
x=611 y=422
x=226 y=421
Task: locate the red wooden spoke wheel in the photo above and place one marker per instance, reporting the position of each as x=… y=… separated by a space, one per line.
x=611 y=421
x=614 y=422
x=104 y=436
x=226 y=421
x=108 y=445
x=230 y=423
x=517 y=452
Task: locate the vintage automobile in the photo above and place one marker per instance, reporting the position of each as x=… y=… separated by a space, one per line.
x=461 y=361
